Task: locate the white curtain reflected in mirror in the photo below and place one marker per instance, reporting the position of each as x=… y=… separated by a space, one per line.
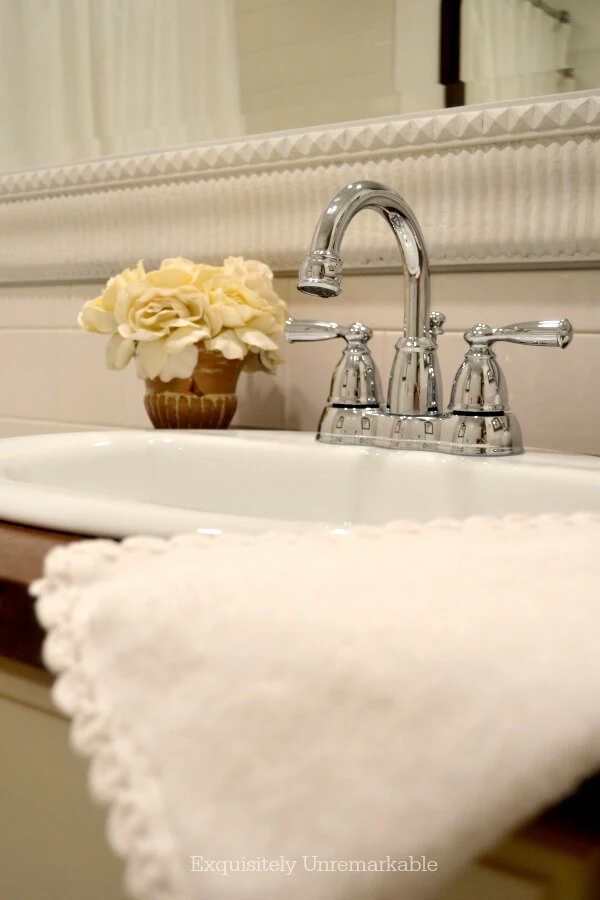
x=83 y=79
x=89 y=78
x=513 y=48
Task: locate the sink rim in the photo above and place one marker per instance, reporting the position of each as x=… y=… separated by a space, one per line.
x=36 y=504
x=23 y=503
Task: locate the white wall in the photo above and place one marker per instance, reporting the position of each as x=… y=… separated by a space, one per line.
x=584 y=49
x=417 y=55
x=312 y=62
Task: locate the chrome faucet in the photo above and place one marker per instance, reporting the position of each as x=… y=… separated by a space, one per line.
x=479 y=421
x=414 y=383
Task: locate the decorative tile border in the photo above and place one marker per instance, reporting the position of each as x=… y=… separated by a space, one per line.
x=491 y=185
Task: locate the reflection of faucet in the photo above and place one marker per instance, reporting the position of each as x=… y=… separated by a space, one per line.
x=479 y=421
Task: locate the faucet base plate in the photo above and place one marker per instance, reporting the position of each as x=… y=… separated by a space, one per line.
x=460 y=434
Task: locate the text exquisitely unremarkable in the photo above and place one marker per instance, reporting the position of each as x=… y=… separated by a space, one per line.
x=311 y=864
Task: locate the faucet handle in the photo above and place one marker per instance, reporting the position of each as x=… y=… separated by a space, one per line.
x=355 y=381
x=479 y=386
x=436 y=324
x=313 y=330
x=549 y=333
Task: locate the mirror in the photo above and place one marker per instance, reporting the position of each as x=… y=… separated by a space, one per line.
x=90 y=78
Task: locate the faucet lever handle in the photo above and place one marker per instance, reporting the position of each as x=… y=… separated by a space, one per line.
x=313 y=330
x=549 y=333
x=479 y=387
x=436 y=323
x=355 y=381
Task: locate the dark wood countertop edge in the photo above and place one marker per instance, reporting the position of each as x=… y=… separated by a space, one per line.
x=22 y=554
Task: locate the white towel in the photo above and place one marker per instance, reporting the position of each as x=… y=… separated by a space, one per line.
x=309 y=702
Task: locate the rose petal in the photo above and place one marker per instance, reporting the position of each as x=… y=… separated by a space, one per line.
x=204 y=273
x=170 y=277
x=116 y=284
x=255 y=338
x=126 y=331
x=180 y=365
x=185 y=323
x=180 y=262
x=228 y=344
x=122 y=304
x=152 y=356
x=230 y=313
x=183 y=337
x=264 y=322
x=269 y=360
x=93 y=318
x=118 y=352
x=213 y=317
x=146 y=337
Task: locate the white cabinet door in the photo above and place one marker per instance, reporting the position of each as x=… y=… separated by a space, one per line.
x=51 y=834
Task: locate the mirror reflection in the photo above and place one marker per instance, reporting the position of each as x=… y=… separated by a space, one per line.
x=89 y=78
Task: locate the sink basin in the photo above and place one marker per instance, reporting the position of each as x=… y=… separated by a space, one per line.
x=167 y=482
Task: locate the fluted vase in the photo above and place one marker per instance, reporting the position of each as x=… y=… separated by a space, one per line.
x=207 y=399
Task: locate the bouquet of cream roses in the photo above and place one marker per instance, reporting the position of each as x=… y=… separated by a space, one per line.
x=163 y=317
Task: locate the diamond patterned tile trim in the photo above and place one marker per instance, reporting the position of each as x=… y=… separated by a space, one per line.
x=405 y=134
x=491 y=186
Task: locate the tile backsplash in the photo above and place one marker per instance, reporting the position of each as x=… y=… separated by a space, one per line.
x=53 y=376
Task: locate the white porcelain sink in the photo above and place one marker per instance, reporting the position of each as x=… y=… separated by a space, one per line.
x=167 y=482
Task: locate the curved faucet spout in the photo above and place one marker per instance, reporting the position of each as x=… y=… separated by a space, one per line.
x=321 y=271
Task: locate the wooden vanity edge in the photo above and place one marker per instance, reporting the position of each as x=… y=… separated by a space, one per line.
x=22 y=554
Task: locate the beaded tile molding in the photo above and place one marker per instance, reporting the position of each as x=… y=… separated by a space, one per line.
x=493 y=185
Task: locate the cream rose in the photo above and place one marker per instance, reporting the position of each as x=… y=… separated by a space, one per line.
x=253 y=274
x=97 y=315
x=162 y=317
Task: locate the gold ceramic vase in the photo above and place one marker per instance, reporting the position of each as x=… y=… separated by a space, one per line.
x=206 y=399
